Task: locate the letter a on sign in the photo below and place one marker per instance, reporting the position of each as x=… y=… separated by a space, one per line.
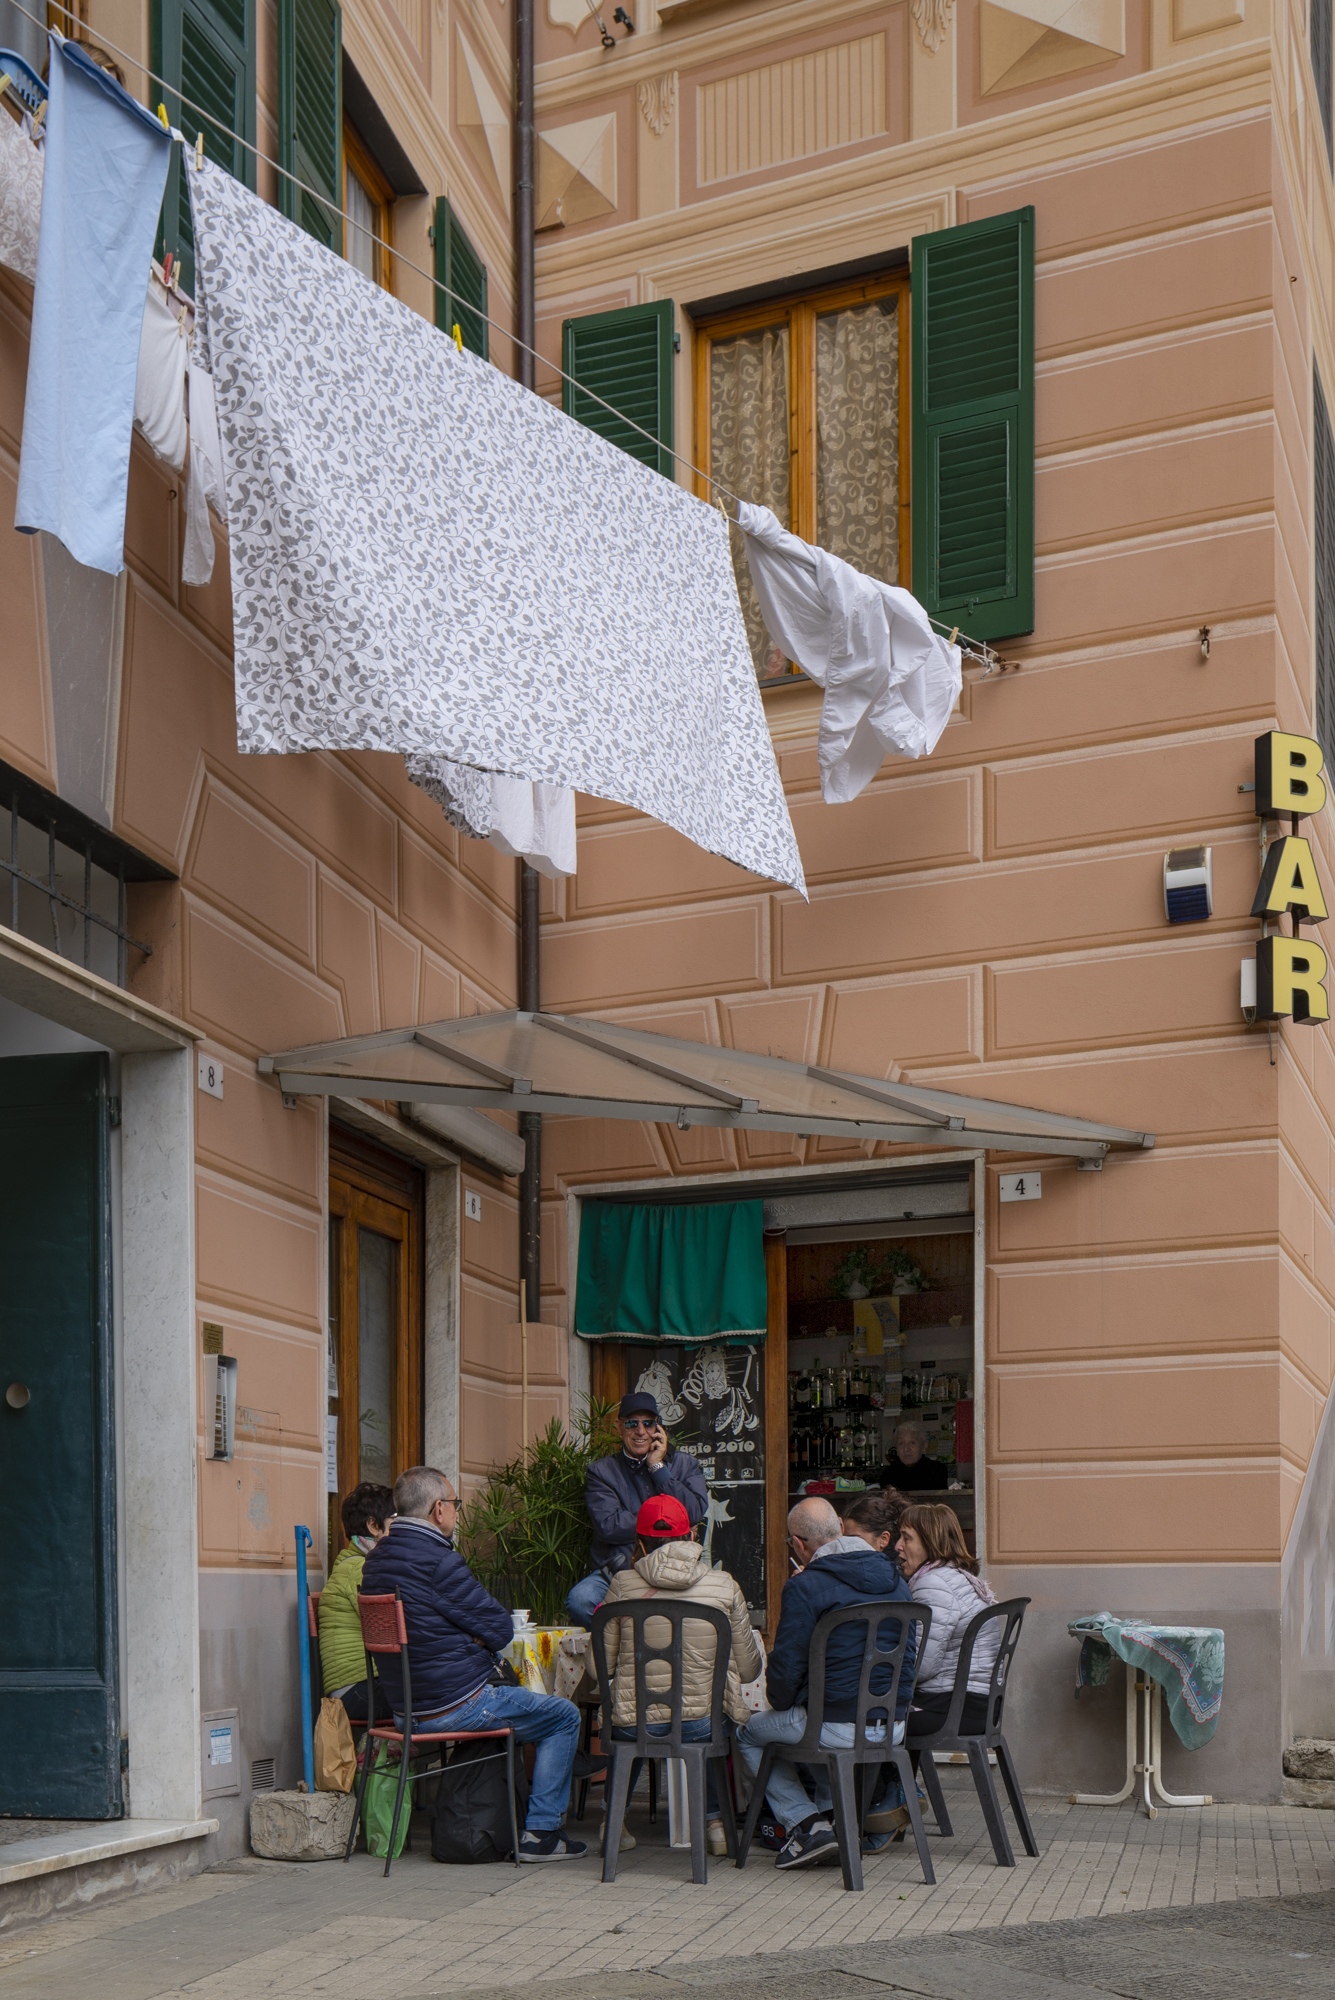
x=1289 y=972
x=1289 y=883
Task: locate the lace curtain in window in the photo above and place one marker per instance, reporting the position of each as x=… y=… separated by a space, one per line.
x=857 y=436
x=748 y=450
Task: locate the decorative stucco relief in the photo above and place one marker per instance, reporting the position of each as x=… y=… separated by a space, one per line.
x=790 y=110
x=577 y=171
x=932 y=20
x=1033 y=41
x=658 y=102
x=483 y=124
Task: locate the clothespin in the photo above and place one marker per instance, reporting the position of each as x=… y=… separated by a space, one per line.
x=166 y=121
x=954 y=636
x=199 y=152
x=168 y=266
x=5 y=81
x=458 y=336
x=37 y=118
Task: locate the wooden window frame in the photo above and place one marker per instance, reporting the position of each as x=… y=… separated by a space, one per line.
x=359 y=161
x=801 y=311
x=370 y=1188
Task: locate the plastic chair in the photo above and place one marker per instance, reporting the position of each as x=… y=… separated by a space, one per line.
x=948 y=1738
x=384 y=1631
x=892 y=1673
x=713 y=1750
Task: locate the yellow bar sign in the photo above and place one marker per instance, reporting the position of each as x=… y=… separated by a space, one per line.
x=1290 y=970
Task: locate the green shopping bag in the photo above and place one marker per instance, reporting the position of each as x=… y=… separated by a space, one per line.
x=382 y=1788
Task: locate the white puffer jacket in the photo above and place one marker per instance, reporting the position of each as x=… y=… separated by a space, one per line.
x=956 y=1599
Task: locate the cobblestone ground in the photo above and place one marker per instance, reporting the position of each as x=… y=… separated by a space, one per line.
x=1200 y=1902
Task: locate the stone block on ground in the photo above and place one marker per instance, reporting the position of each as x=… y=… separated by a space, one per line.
x=1310 y=1757
x=1318 y=1792
x=301 y=1826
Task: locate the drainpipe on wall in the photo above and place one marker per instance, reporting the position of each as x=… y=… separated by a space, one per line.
x=530 y=989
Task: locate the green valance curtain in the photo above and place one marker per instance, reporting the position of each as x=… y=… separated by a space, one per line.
x=686 y=1273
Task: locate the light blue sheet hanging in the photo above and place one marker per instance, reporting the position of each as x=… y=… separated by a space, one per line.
x=106 y=167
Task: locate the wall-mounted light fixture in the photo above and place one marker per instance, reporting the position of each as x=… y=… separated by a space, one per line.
x=1247 y=990
x=1188 y=893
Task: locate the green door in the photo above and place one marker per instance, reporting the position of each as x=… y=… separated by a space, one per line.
x=59 y=1735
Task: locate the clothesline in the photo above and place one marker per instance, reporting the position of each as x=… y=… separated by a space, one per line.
x=974 y=649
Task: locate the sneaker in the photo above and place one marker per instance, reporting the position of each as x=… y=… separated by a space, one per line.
x=888 y=1820
x=802 y=1848
x=716 y=1840
x=624 y=1845
x=552 y=1846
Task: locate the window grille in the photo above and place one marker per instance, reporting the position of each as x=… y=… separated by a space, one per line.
x=63 y=879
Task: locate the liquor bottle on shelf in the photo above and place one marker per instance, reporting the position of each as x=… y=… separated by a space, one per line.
x=802 y=1391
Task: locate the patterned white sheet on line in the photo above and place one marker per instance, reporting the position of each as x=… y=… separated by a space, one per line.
x=428 y=558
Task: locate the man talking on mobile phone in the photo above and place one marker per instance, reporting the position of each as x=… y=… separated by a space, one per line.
x=647 y=1467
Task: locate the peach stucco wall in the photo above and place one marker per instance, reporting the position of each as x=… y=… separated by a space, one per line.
x=1158 y=1337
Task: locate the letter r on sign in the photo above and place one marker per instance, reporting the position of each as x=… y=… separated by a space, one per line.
x=1289 y=972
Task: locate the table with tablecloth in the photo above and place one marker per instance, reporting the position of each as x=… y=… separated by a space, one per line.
x=1182 y=1665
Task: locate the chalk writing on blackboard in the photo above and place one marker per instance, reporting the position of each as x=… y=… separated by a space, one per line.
x=712 y=1402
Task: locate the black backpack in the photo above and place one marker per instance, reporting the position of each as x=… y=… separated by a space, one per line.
x=471 y=1820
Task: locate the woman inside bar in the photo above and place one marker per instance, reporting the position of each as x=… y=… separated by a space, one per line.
x=910 y=1470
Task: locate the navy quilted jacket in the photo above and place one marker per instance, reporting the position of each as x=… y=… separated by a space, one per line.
x=454 y=1625
x=830 y=1581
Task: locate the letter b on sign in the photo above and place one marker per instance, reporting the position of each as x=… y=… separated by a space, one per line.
x=1288 y=775
x=1289 y=972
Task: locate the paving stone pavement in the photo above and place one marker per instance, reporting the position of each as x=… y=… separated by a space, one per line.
x=1199 y=1902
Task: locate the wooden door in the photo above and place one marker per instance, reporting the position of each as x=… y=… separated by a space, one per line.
x=375 y=1316
x=59 y=1718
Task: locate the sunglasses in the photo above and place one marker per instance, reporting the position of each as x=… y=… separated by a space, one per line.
x=640 y=1423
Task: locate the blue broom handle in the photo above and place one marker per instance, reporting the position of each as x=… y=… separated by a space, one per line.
x=304 y=1649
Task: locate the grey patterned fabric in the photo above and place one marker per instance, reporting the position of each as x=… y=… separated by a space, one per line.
x=428 y=558
x=20 y=198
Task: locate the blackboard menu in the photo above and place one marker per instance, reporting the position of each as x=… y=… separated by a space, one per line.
x=712 y=1402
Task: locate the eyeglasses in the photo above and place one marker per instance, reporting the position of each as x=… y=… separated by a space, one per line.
x=640 y=1423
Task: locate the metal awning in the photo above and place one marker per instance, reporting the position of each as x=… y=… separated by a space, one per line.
x=570 y=1066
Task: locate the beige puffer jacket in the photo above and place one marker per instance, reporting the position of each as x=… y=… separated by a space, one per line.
x=679 y=1569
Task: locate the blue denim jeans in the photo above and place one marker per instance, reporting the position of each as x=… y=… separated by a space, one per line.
x=544 y=1719
x=691 y=1732
x=585 y=1597
x=784 y=1789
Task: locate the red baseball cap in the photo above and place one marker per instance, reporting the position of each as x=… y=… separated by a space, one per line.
x=664 y=1520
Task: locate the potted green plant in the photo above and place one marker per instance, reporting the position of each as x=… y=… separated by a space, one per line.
x=526 y=1533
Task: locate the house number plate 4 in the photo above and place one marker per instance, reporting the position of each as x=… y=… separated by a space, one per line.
x=1021 y=1187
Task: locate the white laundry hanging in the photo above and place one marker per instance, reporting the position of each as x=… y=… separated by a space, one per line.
x=204 y=481
x=535 y=823
x=890 y=681
x=428 y=558
x=159 y=390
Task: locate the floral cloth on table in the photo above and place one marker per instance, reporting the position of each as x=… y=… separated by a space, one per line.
x=1186 y=1660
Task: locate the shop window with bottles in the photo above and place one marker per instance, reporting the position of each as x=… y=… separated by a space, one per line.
x=880 y=1330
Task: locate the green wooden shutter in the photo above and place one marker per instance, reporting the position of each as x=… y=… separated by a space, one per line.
x=973 y=425
x=206 y=51
x=310 y=115
x=463 y=273
x=625 y=359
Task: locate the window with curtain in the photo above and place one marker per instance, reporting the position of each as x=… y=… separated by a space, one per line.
x=798 y=409
x=367 y=200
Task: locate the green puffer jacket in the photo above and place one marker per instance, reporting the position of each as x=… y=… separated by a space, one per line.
x=342 y=1655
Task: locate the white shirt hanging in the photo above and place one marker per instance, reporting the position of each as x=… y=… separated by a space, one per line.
x=536 y=823
x=204 y=481
x=890 y=681
x=159 y=390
